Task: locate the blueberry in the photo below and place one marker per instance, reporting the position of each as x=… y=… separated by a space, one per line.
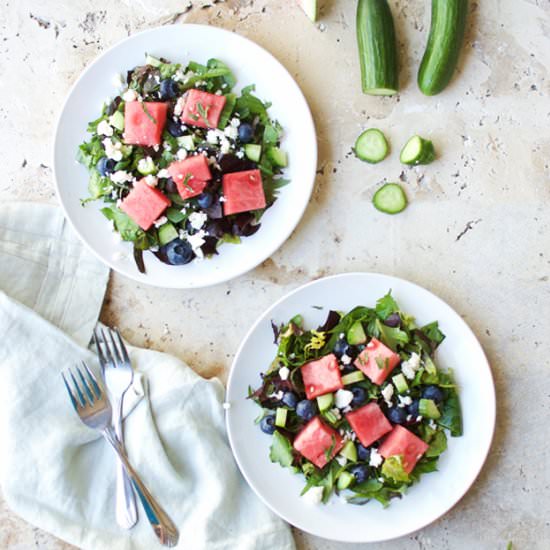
x=363 y=453
x=393 y=320
x=205 y=200
x=168 y=89
x=246 y=132
x=360 y=472
x=170 y=186
x=346 y=369
x=412 y=409
x=105 y=166
x=290 y=399
x=397 y=415
x=341 y=347
x=434 y=393
x=267 y=424
x=359 y=396
x=306 y=409
x=174 y=128
x=178 y=252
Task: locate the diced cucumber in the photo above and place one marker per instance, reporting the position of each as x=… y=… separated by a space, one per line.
x=349 y=450
x=187 y=142
x=390 y=199
x=356 y=334
x=417 y=151
x=146 y=166
x=253 y=152
x=117 y=120
x=280 y=417
x=400 y=383
x=153 y=61
x=167 y=233
x=371 y=146
x=325 y=402
x=330 y=417
x=428 y=408
x=277 y=157
x=352 y=377
x=345 y=479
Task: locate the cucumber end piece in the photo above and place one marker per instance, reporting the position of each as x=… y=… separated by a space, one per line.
x=380 y=91
x=390 y=199
x=417 y=151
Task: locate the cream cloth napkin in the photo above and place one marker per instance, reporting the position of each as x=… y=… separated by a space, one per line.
x=56 y=473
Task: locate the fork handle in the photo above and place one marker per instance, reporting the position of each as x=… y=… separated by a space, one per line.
x=164 y=528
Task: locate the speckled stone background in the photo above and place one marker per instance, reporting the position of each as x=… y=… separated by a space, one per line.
x=476 y=231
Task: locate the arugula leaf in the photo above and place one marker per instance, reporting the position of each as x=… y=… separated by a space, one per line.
x=248 y=104
x=272 y=133
x=437 y=445
x=281 y=450
x=385 y=306
x=433 y=332
x=393 y=469
x=90 y=152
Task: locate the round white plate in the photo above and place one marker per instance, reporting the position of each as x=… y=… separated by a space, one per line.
x=251 y=64
x=437 y=492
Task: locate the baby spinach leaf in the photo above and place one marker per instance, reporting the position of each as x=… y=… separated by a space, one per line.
x=385 y=306
x=437 y=445
x=451 y=415
x=281 y=450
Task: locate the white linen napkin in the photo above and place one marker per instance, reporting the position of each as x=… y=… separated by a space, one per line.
x=59 y=475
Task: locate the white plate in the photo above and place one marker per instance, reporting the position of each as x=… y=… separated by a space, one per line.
x=437 y=492
x=251 y=64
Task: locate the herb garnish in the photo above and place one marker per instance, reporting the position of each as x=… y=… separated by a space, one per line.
x=203 y=112
x=328 y=452
x=146 y=111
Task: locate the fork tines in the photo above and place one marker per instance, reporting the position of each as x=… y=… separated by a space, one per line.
x=87 y=391
x=108 y=350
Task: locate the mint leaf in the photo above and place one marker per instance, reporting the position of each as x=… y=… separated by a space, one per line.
x=281 y=450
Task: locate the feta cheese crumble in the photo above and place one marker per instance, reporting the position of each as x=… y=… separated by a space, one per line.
x=235 y=122
x=278 y=395
x=411 y=365
x=375 y=458
x=404 y=400
x=112 y=149
x=160 y=221
x=387 y=394
x=129 y=95
x=346 y=359
x=284 y=372
x=163 y=173
x=180 y=104
x=196 y=241
x=121 y=176
x=151 y=180
x=314 y=495
x=231 y=132
x=181 y=154
x=104 y=129
x=197 y=219
x=343 y=398
x=144 y=163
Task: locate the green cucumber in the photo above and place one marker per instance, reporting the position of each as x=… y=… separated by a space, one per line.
x=167 y=233
x=377 y=47
x=390 y=199
x=325 y=402
x=428 y=409
x=445 y=40
x=417 y=151
x=345 y=479
x=400 y=383
x=152 y=60
x=352 y=377
x=356 y=334
x=371 y=146
x=330 y=417
x=116 y=120
x=146 y=166
x=349 y=450
x=253 y=152
x=187 y=142
x=280 y=417
x=277 y=157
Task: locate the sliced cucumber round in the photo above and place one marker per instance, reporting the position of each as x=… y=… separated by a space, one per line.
x=371 y=146
x=390 y=199
x=417 y=151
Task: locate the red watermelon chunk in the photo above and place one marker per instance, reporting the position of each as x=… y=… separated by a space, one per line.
x=403 y=442
x=144 y=122
x=377 y=361
x=202 y=109
x=144 y=204
x=243 y=191
x=190 y=175
x=315 y=439
x=321 y=376
x=369 y=423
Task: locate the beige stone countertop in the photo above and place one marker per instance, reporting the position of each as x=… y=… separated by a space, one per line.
x=476 y=232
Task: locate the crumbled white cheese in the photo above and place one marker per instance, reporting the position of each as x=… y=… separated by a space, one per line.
x=411 y=365
x=129 y=95
x=346 y=359
x=314 y=495
x=235 y=122
x=197 y=219
x=404 y=400
x=409 y=417
x=342 y=460
x=341 y=335
x=336 y=412
x=370 y=345
x=181 y=154
x=239 y=154
x=222 y=199
x=144 y=164
x=180 y=104
x=432 y=424
x=419 y=418
x=212 y=137
x=387 y=394
x=375 y=458
x=188 y=75
x=342 y=398
x=121 y=176
x=112 y=149
x=225 y=146
x=278 y=395
x=160 y=221
x=104 y=129
x=196 y=241
x=163 y=173
x=151 y=180
x=231 y=132
x=347 y=409
x=284 y=372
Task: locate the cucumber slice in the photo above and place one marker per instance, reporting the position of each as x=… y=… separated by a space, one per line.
x=352 y=377
x=349 y=450
x=325 y=402
x=117 y=120
x=356 y=334
x=277 y=157
x=280 y=417
x=152 y=60
x=311 y=8
x=330 y=417
x=428 y=409
x=187 y=142
x=417 y=151
x=371 y=146
x=167 y=233
x=253 y=152
x=390 y=198
x=345 y=479
x=146 y=166
x=400 y=383
x=377 y=47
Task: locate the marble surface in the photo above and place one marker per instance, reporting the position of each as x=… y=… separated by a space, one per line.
x=475 y=233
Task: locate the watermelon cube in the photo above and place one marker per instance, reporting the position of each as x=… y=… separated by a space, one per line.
x=144 y=204
x=377 y=361
x=144 y=122
x=369 y=423
x=321 y=376
x=315 y=439
x=243 y=191
x=190 y=175
x=202 y=109
x=403 y=442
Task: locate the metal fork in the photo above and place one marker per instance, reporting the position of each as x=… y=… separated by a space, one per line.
x=94 y=409
x=118 y=376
